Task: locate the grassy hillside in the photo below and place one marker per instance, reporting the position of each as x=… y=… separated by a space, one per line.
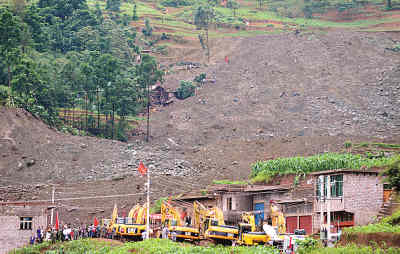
x=251 y=17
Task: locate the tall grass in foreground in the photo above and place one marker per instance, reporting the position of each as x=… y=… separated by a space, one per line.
x=162 y=246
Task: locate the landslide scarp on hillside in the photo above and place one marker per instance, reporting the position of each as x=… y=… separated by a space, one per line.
x=338 y=83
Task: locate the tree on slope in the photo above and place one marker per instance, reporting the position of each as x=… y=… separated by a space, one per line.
x=148 y=75
x=10 y=39
x=113 y=5
x=203 y=19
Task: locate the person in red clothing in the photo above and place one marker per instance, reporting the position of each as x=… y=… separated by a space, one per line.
x=183 y=215
x=71 y=234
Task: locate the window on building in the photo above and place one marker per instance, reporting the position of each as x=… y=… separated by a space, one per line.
x=318 y=187
x=229 y=203
x=336 y=186
x=25 y=223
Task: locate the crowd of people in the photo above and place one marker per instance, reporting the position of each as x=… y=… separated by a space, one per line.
x=68 y=233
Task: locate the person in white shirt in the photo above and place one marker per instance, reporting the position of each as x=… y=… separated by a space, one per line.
x=270 y=231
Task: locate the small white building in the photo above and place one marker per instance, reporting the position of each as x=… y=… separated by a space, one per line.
x=18 y=222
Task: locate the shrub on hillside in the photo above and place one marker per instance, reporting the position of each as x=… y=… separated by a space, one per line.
x=185 y=90
x=392 y=174
x=176 y=3
x=200 y=78
x=3 y=94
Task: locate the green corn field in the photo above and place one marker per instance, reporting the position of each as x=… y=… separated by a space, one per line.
x=266 y=170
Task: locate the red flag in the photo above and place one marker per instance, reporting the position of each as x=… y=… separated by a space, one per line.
x=95 y=222
x=142 y=169
x=56 y=226
x=226 y=59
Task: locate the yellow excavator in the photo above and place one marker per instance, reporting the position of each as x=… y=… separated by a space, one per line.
x=278 y=231
x=175 y=226
x=134 y=224
x=248 y=234
x=212 y=224
x=278 y=220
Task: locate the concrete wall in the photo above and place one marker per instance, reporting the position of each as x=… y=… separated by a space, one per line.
x=240 y=202
x=12 y=237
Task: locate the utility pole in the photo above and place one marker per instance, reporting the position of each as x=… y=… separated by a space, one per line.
x=148 y=113
x=98 y=110
x=328 y=207
x=148 y=205
x=52 y=209
x=321 y=192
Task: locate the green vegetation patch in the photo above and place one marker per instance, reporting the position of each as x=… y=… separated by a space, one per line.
x=228 y=182
x=266 y=170
x=32 y=249
x=152 y=246
x=350 y=249
x=381 y=227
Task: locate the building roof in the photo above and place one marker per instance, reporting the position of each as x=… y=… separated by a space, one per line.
x=348 y=171
x=257 y=188
x=247 y=188
x=193 y=197
x=227 y=187
x=304 y=200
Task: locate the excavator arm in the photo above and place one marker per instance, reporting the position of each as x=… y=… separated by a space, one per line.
x=134 y=211
x=114 y=215
x=141 y=214
x=200 y=215
x=218 y=215
x=168 y=209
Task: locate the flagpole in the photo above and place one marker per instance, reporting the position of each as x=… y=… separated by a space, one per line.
x=148 y=205
x=52 y=209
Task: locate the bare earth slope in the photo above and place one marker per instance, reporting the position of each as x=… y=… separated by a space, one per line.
x=286 y=85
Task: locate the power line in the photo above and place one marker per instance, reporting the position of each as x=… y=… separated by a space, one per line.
x=180 y=182
x=77 y=198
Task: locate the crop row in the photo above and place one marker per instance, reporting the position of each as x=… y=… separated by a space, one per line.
x=266 y=170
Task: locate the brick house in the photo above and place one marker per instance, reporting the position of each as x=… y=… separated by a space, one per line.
x=18 y=222
x=356 y=197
